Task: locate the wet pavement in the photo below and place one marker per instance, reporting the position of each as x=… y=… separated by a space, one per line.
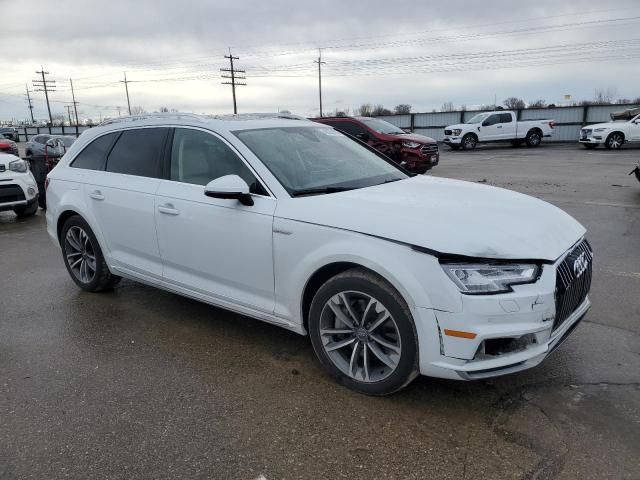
x=140 y=383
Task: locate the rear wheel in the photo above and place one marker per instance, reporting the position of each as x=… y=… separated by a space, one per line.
x=469 y=141
x=83 y=257
x=534 y=138
x=614 y=141
x=363 y=333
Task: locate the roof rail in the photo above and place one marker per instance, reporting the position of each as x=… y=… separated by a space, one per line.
x=257 y=116
x=147 y=116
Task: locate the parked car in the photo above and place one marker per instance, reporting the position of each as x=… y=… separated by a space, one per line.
x=623 y=128
x=35 y=146
x=18 y=190
x=10 y=132
x=294 y=223
x=416 y=153
x=8 y=146
x=500 y=126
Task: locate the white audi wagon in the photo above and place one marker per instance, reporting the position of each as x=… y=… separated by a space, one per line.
x=297 y=224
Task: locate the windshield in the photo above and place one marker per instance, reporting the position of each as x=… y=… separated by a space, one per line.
x=306 y=159
x=478 y=118
x=381 y=126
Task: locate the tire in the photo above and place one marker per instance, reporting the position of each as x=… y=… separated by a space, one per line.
x=79 y=244
x=469 y=141
x=614 y=141
x=589 y=146
x=379 y=354
x=534 y=138
x=26 y=211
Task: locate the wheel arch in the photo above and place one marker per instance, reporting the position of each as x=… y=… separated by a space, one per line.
x=62 y=218
x=322 y=274
x=624 y=137
x=536 y=130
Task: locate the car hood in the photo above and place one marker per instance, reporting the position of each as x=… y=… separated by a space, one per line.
x=604 y=125
x=6 y=158
x=461 y=126
x=447 y=216
x=416 y=137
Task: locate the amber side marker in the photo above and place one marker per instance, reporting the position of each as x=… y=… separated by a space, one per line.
x=459 y=334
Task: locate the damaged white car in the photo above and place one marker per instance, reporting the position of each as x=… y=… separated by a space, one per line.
x=293 y=223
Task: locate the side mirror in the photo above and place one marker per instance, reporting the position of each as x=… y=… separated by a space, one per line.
x=229 y=187
x=364 y=136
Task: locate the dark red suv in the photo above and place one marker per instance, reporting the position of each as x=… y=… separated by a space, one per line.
x=414 y=152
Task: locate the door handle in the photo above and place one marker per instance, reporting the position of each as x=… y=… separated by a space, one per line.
x=96 y=195
x=168 y=209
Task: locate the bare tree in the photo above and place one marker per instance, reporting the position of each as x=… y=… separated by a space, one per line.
x=538 y=104
x=623 y=101
x=514 y=103
x=58 y=119
x=138 y=110
x=447 y=107
x=381 y=110
x=365 y=110
x=604 y=96
x=164 y=110
x=402 y=109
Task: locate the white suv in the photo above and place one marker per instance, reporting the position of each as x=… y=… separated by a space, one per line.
x=18 y=190
x=293 y=223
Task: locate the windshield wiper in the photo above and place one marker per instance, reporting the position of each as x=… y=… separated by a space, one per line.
x=319 y=190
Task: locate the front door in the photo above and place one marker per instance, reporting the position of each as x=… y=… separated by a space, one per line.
x=215 y=247
x=490 y=128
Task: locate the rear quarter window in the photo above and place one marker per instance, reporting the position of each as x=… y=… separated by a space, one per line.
x=94 y=155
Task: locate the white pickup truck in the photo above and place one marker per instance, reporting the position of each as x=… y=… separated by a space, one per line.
x=500 y=126
x=624 y=127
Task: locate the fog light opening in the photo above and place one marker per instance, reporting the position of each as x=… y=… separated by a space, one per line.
x=495 y=347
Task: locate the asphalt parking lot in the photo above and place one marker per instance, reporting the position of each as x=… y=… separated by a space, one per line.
x=140 y=383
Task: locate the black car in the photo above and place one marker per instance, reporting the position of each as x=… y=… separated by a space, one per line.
x=10 y=133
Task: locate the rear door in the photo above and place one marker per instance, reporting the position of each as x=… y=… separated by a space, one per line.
x=506 y=128
x=634 y=130
x=215 y=247
x=122 y=199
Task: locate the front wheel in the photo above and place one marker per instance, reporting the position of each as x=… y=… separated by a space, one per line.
x=363 y=333
x=27 y=210
x=614 y=141
x=83 y=257
x=469 y=141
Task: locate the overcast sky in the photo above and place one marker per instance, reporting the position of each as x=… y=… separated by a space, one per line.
x=423 y=53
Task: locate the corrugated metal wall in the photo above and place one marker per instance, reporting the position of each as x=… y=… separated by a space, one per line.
x=569 y=120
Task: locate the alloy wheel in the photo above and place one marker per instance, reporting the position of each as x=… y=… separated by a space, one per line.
x=615 y=141
x=80 y=254
x=360 y=336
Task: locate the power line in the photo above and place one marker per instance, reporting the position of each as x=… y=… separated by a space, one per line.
x=233 y=77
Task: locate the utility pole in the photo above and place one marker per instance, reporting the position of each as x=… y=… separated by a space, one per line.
x=75 y=104
x=45 y=86
x=126 y=87
x=68 y=107
x=30 y=104
x=233 y=77
x=320 y=63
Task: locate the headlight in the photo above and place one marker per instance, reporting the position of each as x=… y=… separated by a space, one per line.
x=488 y=278
x=457 y=131
x=599 y=129
x=411 y=144
x=18 y=166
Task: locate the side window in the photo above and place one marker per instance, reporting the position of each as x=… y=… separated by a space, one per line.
x=198 y=157
x=94 y=155
x=38 y=139
x=138 y=152
x=350 y=127
x=506 y=118
x=491 y=120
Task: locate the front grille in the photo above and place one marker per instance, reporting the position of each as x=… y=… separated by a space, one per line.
x=447 y=132
x=573 y=281
x=3 y=168
x=11 y=193
x=430 y=148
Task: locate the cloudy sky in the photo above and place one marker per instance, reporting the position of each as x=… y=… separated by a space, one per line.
x=423 y=53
